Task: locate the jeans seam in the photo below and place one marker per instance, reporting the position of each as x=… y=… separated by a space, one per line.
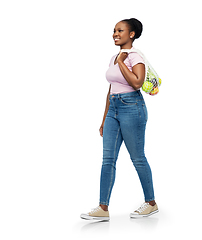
x=107 y=201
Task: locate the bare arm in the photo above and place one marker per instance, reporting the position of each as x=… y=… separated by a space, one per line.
x=135 y=78
x=105 y=112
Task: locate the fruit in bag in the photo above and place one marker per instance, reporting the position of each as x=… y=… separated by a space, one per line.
x=154 y=91
x=147 y=86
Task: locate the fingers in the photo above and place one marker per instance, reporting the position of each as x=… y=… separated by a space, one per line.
x=122 y=56
x=101 y=131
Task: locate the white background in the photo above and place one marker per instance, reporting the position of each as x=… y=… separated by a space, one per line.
x=53 y=59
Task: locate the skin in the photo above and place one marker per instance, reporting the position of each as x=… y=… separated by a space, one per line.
x=123 y=38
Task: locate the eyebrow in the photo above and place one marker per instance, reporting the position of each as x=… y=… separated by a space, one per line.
x=118 y=29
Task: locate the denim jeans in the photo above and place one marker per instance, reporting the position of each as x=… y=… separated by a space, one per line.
x=125 y=121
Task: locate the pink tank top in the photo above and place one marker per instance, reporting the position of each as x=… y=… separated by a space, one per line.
x=116 y=78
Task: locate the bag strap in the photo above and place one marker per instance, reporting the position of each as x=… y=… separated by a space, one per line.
x=147 y=64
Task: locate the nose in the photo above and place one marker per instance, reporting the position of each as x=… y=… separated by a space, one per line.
x=115 y=35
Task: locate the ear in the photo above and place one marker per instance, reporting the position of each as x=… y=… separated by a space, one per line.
x=132 y=34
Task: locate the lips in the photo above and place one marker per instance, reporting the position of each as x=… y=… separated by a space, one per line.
x=116 y=39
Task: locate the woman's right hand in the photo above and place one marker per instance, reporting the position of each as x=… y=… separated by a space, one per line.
x=101 y=131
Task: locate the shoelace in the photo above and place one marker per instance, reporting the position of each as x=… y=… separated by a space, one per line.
x=95 y=209
x=143 y=207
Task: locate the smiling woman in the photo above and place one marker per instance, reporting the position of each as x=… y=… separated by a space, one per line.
x=125 y=119
x=125 y=32
x=120 y=36
x=131 y=27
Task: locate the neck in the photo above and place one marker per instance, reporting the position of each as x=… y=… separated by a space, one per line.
x=126 y=46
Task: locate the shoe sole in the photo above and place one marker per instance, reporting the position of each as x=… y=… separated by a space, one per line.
x=87 y=217
x=141 y=216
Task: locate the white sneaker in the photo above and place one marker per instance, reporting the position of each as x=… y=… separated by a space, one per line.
x=96 y=214
x=145 y=210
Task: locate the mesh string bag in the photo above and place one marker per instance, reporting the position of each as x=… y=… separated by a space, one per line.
x=152 y=82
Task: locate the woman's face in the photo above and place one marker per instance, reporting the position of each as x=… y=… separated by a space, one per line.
x=122 y=36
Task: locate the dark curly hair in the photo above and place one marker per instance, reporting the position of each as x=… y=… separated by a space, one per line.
x=134 y=25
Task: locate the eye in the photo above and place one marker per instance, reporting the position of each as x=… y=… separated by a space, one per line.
x=119 y=30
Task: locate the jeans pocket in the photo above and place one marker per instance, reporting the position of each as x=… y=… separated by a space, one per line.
x=128 y=100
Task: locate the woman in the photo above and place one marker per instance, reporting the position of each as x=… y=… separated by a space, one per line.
x=125 y=120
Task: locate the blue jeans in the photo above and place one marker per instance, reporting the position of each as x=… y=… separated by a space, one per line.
x=125 y=121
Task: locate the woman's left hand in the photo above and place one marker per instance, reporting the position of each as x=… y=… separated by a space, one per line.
x=122 y=56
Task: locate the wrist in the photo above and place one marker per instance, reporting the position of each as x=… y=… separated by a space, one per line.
x=120 y=62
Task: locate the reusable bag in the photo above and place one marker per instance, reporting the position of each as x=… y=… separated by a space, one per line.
x=152 y=82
